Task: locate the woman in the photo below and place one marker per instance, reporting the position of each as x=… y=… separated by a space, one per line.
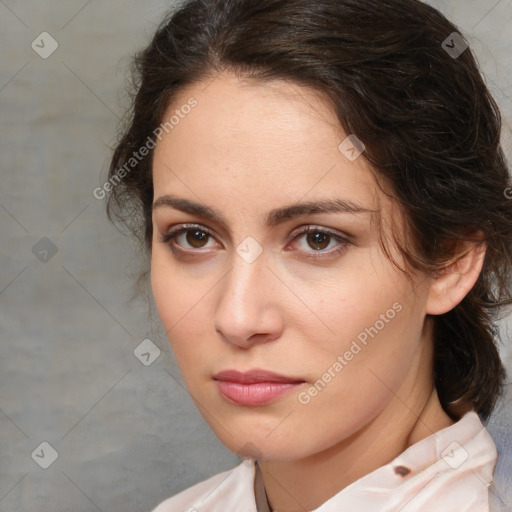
x=321 y=189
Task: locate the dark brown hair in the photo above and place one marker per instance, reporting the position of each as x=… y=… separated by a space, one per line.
x=429 y=124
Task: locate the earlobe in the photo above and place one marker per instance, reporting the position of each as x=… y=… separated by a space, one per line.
x=455 y=281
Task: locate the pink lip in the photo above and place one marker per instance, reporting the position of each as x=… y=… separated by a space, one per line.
x=255 y=387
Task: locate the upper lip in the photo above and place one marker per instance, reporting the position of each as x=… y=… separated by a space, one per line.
x=253 y=376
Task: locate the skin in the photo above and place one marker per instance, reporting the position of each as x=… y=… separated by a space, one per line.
x=246 y=149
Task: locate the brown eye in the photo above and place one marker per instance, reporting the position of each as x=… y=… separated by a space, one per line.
x=318 y=240
x=196 y=238
x=188 y=238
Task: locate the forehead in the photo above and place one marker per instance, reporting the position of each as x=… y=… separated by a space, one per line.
x=244 y=139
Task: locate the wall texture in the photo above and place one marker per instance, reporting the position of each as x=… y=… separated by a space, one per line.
x=88 y=420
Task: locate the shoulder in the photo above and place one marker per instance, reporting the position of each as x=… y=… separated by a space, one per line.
x=217 y=491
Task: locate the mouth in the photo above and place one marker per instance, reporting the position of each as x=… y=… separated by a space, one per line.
x=255 y=387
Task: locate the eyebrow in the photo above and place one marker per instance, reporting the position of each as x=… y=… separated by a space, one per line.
x=273 y=218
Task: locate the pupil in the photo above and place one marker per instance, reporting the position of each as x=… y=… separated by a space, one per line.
x=318 y=239
x=195 y=238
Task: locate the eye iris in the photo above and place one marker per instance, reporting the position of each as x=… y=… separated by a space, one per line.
x=196 y=237
x=318 y=239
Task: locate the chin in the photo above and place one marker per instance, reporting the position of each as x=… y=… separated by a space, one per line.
x=255 y=443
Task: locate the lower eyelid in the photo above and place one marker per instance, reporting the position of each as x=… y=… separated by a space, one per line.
x=340 y=249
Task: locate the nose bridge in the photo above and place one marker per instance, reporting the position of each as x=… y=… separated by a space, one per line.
x=246 y=307
x=241 y=292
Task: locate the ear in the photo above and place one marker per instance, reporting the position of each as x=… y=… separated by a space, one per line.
x=454 y=282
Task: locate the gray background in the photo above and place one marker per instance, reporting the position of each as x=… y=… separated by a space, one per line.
x=127 y=435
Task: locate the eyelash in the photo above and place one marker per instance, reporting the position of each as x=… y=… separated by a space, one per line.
x=170 y=237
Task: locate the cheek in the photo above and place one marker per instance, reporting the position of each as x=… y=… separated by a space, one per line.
x=365 y=299
x=176 y=291
x=358 y=379
x=375 y=328
x=181 y=302
x=164 y=287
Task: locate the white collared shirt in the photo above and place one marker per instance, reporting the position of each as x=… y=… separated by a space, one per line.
x=448 y=471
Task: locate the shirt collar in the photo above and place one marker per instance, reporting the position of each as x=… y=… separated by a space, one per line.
x=449 y=470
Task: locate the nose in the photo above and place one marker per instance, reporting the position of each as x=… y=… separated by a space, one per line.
x=248 y=310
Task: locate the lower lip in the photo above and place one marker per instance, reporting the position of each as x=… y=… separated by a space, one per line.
x=259 y=393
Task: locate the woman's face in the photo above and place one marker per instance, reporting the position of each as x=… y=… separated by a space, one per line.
x=241 y=287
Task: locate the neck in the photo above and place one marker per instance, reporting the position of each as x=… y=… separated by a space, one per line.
x=412 y=415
